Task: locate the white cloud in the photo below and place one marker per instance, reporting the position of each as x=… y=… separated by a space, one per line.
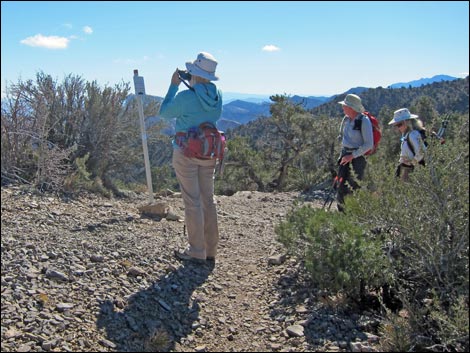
x=50 y=42
x=88 y=30
x=271 y=47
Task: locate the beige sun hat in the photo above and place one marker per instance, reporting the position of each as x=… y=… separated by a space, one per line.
x=354 y=102
x=402 y=115
x=204 y=66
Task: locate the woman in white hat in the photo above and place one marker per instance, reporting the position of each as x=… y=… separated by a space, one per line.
x=412 y=144
x=201 y=103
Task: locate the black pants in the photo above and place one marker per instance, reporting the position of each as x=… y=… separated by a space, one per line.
x=403 y=171
x=351 y=174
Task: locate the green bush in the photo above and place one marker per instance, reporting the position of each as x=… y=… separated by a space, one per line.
x=163 y=178
x=338 y=254
x=425 y=221
x=80 y=179
x=412 y=236
x=451 y=325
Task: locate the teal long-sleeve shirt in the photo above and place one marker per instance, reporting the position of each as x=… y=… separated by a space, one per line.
x=191 y=108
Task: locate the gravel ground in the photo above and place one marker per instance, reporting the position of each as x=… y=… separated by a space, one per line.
x=95 y=274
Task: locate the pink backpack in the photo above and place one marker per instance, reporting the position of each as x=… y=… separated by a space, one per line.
x=203 y=142
x=376 y=132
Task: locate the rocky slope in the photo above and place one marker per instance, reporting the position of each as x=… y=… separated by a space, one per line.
x=93 y=274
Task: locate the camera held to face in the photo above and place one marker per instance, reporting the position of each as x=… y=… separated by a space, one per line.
x=184 y=75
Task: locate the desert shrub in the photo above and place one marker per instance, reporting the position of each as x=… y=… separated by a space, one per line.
x=425 y=220
x=395 y=334
x=427 y=327
x=338 y=254
x=245 y=168
x=451 y=325
x=424 y=228
x=164 y=178
x=80 y=178
x=53 y=168
x=412 y=236
x=159 y=341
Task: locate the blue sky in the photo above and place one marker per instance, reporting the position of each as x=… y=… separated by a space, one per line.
x=306 y=48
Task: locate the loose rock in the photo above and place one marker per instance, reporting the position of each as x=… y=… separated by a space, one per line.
x=93 y=274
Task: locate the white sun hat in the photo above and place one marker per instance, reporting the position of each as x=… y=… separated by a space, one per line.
x=353 y=101
x=204 y=66
x=402 y=115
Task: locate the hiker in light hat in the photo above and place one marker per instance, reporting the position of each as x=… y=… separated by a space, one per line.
x=357 y=139
x=200 y=103
x=412 y=144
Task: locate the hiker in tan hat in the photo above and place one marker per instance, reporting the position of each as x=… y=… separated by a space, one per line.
x=412 y=144
x=200 y=104
x=357 y=139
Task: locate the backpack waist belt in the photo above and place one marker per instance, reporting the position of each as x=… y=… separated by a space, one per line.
x=349 y=149
x=404 y=165
x=181 y=139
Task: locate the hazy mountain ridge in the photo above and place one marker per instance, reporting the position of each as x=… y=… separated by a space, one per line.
x=238 y=112
x=423 y=81
x=446 y=96
x=247 y=97
x=244 y=112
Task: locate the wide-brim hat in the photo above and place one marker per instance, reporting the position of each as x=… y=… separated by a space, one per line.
x=402 y=115
x=204 y=66
x=354 y=102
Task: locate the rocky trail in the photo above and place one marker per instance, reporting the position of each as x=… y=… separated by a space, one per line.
x=94 y=274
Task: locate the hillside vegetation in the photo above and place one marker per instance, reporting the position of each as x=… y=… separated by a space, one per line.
x=404 y=244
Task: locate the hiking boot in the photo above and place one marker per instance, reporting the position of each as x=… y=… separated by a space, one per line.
x=210 y=258
x=181 y=255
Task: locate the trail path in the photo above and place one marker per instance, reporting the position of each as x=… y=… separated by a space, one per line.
x=92 y=274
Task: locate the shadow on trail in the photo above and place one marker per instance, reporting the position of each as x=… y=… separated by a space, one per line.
x=324 y=320
x=157 y=317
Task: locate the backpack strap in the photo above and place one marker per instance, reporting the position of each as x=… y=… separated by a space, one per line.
x=358 y=123
x=340 y=136
x=410 y=145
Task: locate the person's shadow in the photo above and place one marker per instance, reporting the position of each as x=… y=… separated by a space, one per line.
x=156 y=318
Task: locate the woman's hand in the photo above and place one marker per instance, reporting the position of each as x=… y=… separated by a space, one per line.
x=175 y=80
x=407 y=161
x=346 y=159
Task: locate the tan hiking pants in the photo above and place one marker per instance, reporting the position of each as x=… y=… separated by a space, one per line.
x=196 y=179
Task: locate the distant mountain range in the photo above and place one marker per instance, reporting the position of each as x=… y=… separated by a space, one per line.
x=241 y=108
x=423 y=81
x=229 y=97
x=239 y=112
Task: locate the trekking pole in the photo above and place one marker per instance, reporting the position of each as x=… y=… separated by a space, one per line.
x=140 y=92
x=331 y=194
x=440 y=133
x=329 y=197
x=337 y=181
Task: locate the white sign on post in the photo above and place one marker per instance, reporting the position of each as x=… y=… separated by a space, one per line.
x=139 y=83
x=140 y=92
